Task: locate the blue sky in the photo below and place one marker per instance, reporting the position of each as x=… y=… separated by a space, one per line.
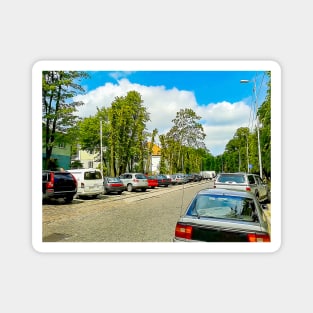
x=208 y=86
x=223 y=103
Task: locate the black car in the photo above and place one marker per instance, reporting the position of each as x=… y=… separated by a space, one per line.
x=58 y=184
x=223 y=215
x=163 y=180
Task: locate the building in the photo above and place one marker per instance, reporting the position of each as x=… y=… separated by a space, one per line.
x=60 y=158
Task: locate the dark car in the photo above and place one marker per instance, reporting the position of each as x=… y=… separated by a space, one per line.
x=163 y=180
x=222 y=215
x=58 y=184
x=113 y=185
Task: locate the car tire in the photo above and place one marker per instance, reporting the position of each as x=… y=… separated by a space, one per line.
x=69 y=199
x=129 y=187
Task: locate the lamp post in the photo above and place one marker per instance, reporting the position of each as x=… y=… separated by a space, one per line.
x=101 y=151
x=248 y=169
x=245 y=81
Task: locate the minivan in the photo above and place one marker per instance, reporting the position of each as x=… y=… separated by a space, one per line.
x=89 y=182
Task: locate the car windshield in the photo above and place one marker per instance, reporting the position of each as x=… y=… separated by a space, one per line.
x=223 y=207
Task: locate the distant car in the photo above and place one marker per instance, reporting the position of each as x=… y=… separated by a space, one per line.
x=178 y=179
x=152 y=181
x=58 y=184
x=244 y=181
x=222 y=215
x=134 y=181
x=113 y=185
x=163 y=180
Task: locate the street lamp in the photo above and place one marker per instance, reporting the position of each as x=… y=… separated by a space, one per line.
x=245 y=81
x=101 y=151
x=248 y=169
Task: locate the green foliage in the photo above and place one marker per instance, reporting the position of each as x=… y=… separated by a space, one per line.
x=58 y=90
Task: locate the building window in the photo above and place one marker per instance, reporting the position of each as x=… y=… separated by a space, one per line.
x=61 y=145
x=90 y=164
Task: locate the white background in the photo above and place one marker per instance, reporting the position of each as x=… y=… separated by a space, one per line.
x=146 y=30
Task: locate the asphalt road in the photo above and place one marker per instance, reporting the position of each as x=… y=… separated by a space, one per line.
x=131 y=217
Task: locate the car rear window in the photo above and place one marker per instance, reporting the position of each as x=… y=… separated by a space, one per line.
x=92 y=175
x=140 y=176
x=113 y=180
x=223 y=207
x=239 y=179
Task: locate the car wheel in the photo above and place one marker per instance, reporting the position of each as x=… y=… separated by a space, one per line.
x=120 y=192
x=69 y=198
x=129 y=187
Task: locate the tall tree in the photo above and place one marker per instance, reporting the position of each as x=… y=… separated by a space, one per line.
x=186 y=132
x=58 y=108
x=265 y=131
x=128 y=138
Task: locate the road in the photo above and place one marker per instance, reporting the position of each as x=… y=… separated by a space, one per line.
x=131 y=217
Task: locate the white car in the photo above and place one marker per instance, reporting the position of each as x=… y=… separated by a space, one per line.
x=89 y=182
x=134 y=181
x=244 y=182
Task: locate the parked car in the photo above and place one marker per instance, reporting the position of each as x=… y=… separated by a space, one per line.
x=152 y=181
x=58 y=184
x=134 y=181
x=178 y=179
x=244 y=181
x=163 y=180
x=223 y=215
x=113 y=185
x=89 y=182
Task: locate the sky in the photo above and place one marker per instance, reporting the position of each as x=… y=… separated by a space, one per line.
x=218 y=97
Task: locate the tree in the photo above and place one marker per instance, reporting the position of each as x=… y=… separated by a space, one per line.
x=58 y=90
x=186 y=132
x=127 y=119
x=265 y=131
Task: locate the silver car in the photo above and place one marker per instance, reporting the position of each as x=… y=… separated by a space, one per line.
x=222 y=215
x=134 y=181
x=244 y=181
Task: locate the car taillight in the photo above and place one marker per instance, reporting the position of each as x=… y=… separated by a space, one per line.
x=253 y=237
x=248 y=188
x=183 y=231
x=82 y=185
x=50 y=184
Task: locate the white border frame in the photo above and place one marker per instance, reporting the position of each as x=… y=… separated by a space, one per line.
x=166 y=65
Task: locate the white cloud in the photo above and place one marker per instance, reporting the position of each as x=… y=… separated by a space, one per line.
x=220 y=120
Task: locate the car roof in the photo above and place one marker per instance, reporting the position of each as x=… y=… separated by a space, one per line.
x=229 y=192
